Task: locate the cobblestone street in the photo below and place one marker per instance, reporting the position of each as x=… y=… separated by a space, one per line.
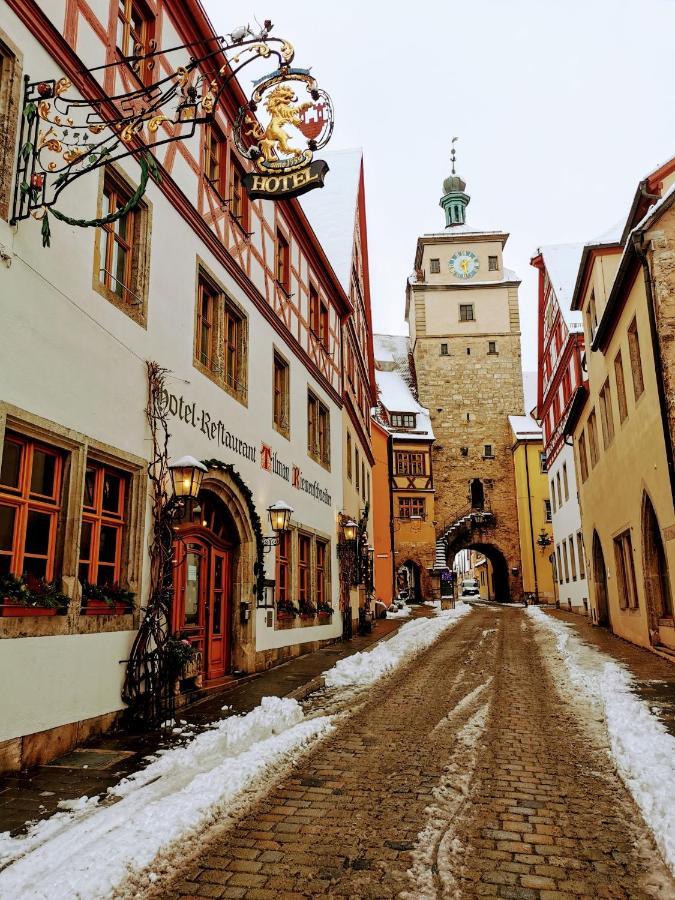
x=466 y=773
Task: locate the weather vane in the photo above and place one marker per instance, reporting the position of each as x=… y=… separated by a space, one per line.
x=64 y=136
x=453 y=154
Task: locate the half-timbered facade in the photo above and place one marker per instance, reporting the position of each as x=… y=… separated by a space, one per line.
x=238 y=302
x=560 y=379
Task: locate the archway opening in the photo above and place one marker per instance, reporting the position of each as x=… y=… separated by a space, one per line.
x=409 y=582
x=601 y=611
x=655 y=566
x=494 y=582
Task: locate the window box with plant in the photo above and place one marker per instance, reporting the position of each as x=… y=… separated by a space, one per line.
x=287 y=610
x=106 y=599
x=307 y=609
x=324 y=610
x=21 y=596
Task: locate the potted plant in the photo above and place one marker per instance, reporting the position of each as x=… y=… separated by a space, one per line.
x=286 y=610
x=106 y=599
x=182 y=658
x=307 y=609
x=324 y=609
x=26 y=596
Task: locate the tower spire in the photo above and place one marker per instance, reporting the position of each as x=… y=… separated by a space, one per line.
x=454 y=200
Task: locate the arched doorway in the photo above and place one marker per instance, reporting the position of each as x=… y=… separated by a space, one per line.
x=499 y=586
x=204 y=547
x=657 y=581
x=477 y=494
x=601 y=611
x=409 y=582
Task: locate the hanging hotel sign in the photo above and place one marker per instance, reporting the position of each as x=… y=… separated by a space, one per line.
x=64 y=135
x=284 y=170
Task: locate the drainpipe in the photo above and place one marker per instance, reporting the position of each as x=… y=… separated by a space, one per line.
x=529 y=507
x=392 y=537
x=658 y=362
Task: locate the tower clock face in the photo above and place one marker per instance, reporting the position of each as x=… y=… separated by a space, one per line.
x=464 y=264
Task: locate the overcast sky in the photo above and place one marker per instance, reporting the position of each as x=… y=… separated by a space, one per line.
x=561 y=107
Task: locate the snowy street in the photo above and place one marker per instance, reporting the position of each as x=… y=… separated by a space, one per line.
x=484 y=751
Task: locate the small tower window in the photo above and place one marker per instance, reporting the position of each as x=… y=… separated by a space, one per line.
x=492 y=348
x=444 y=350
x=493 y=263
x=468 y=351
x=434 y=266
x=488 y=452
x=466 y=312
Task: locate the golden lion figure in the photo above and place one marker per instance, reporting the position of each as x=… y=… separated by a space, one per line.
x=273 y=138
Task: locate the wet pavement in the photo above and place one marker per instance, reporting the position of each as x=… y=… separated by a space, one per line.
x=100 y=763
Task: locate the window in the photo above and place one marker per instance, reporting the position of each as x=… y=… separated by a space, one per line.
x=592 y=316
x=557 y=481
x=487 y=451
x=283 y=566
x=606 y=415
x=411 y=506
x=566 y=486
x=582 y=560
x=466 y=312
x=468 y=351
x=321 y=571
x=625 y=571
x=620 y=387
x=283 y=263
x=553 y=494
x=215 y=150
x=349 y=456
x=281 y=394
x=324 y=333
x=318 y=430
x=434 y=266
x=207 y=302
x=583 y=459
x=103 y=523
x=566 y=562
x=10 y=88
x=493 y=263
x=368 y=486
x=492 y=348
x=363 y=480
x=573 y=561
x=117 y=244
x=560 y=570
x=403 y=420
x=30 y=502
x=635 y=359
x=220 y=338
x=409 y=463
x=543 y=468
x=444 y=349
x=135 y=36
x=239 y=205
x=593 y=438
x=304 y=578
x=319 y=325
x=547 y=510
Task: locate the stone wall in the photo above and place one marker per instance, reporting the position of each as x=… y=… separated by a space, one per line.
x=661 y=254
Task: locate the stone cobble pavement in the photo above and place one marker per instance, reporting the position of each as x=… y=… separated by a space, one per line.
x=463 y=774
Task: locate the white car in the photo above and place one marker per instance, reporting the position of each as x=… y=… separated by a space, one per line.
x=469 y=588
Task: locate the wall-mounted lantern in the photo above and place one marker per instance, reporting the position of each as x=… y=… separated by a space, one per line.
x=350 y=530
x=280 y=514
x=186 y=477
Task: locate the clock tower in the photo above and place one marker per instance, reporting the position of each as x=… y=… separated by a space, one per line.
x=462 y=312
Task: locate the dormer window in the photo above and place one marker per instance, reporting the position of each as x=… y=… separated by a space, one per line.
x=493 y=263
x=403 y=420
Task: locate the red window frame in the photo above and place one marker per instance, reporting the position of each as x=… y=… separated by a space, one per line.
x=280 y=410
x=411 y=506
x=282 y=262
x=207 y=304
x=27 y=503
x=283 y=564
x=118 y=242
x=135 y=36
x=324 y=325
x=239 y=203
x=215 y=156
x=100 y=519
x=304 y=577
x=321 y=556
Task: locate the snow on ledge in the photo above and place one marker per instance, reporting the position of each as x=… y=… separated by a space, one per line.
x=642 y=748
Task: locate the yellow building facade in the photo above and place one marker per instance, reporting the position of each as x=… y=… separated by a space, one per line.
x=534 y=509
x=623 y=448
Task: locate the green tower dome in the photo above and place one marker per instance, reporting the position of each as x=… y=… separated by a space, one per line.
x=453 y=183
x=455 y=199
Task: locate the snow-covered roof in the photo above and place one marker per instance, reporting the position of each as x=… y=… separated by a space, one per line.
x=464 y=229
x=396 y=397
x=332 y=210
x=525 y=428
x=390 y=348
x=562 y=264
x=508 y=277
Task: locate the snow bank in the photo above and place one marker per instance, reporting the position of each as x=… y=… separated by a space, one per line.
x=402 y=613
x=642 y=749
x=86 y=854
x=413 y=637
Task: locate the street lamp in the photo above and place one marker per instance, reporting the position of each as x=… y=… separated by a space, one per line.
x=186 y=477
x=350 y=530
x=280 y=519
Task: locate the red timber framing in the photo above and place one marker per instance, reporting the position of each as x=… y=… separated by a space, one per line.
x=568 y=360
x=228 y=238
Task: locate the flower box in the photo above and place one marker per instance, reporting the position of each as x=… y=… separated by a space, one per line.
x=322 y=614
x=102 y=608
x=17 y=609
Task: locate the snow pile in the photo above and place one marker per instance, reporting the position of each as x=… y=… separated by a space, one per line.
x=414 y=637
x=89 y=852
x=399 y=613
x=642 y=749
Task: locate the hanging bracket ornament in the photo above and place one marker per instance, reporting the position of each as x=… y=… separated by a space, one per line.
x=64 y=136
